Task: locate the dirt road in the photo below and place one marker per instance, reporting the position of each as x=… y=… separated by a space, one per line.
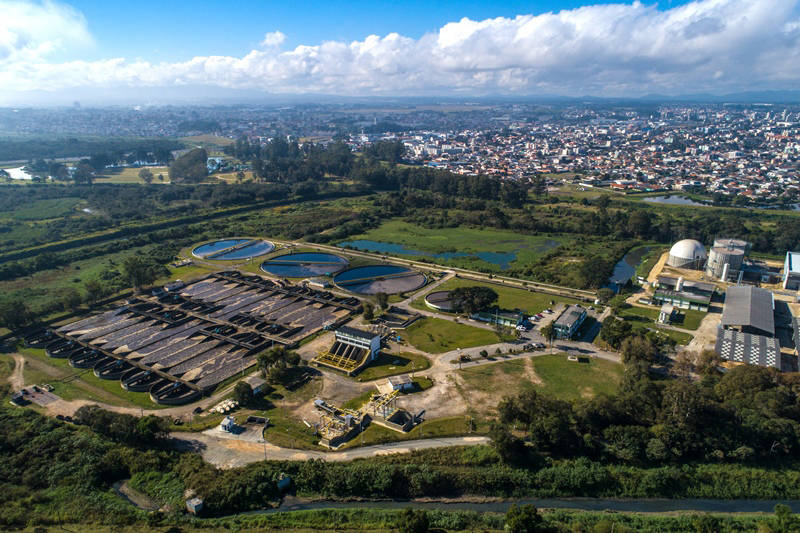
x=231 y=453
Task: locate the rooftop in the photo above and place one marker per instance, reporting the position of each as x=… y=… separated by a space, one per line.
x=746 y=305
x=356 y=333
x=747 y=348
x=793 y=262
x=570 y=315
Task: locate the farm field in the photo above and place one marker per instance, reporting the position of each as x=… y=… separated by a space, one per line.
x=488 y=249
x=508 y=297
x=436 y=335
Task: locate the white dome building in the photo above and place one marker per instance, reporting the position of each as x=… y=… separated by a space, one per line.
x=687 y=253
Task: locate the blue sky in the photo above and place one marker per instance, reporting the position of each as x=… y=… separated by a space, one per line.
x=411 y=48
x=169 y=30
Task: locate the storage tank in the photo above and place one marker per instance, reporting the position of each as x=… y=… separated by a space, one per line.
x=734 y=244
x=687 y=253
x=721 y=256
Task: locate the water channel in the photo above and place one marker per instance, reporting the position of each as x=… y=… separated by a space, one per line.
x=587 y=504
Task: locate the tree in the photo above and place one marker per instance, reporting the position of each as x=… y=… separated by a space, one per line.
x=413 y=521
x=70 y=299
x=83 y=174
x=138 y=272
x=369 y=311
x=548 y=332
x=470 y=300
x=604 y=294
x=638 y=348
x=615 y=330
x=15 y=314
x=509 y=447
x=383 y=300
x=190 y=167
x=146 y=175
x=243 y=393
x=95 y=290
x=523 y=519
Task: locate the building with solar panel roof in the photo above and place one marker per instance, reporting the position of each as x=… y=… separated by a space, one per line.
x=738 y=347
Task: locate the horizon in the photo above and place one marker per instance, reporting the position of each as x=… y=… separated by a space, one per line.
x=55 y=53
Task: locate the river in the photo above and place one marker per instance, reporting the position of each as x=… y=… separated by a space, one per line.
x=586 y=504
x=684 y=200
x=625 y=268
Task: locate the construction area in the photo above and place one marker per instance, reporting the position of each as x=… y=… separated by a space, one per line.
x=179 y=344
x=339 y=425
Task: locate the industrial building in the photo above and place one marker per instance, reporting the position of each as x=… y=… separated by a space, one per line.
x=749 y=309
x=791 y=271
x=726 y=259
x=739 y=347
x=569 y=321
x=683 y=294
x=352 y=350
x=687 y=253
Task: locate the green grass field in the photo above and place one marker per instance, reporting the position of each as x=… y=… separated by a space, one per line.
x=508 y=297
x=389 y=364
x=570 y=380
x=436 y=335
x=131 y=175
x=464 y=240
x=684 y=318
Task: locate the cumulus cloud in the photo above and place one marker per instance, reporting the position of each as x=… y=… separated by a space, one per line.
x=613 y=49
x=29 y=31
x=273 y=38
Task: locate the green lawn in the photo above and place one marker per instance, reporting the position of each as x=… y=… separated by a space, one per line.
x=507 y=297
x=647 y=317
x=462 y=239
x=640 y=314
x=689 y=319
x=570 y=380
x=678 y=336
x=389 y=364
x=131 y=175
x=436 y=335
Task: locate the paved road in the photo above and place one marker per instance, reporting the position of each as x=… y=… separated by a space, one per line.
x=231 y=452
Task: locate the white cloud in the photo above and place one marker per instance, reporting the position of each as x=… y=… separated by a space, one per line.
x=273 y=38
x=713 y=45
x=31 y=31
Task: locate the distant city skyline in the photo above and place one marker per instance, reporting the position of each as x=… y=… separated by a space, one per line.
x=103 y=50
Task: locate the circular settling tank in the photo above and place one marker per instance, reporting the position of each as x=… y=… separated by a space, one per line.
x=233 y=249
x=304 y=265
x=439 y=300
x=372 y=279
